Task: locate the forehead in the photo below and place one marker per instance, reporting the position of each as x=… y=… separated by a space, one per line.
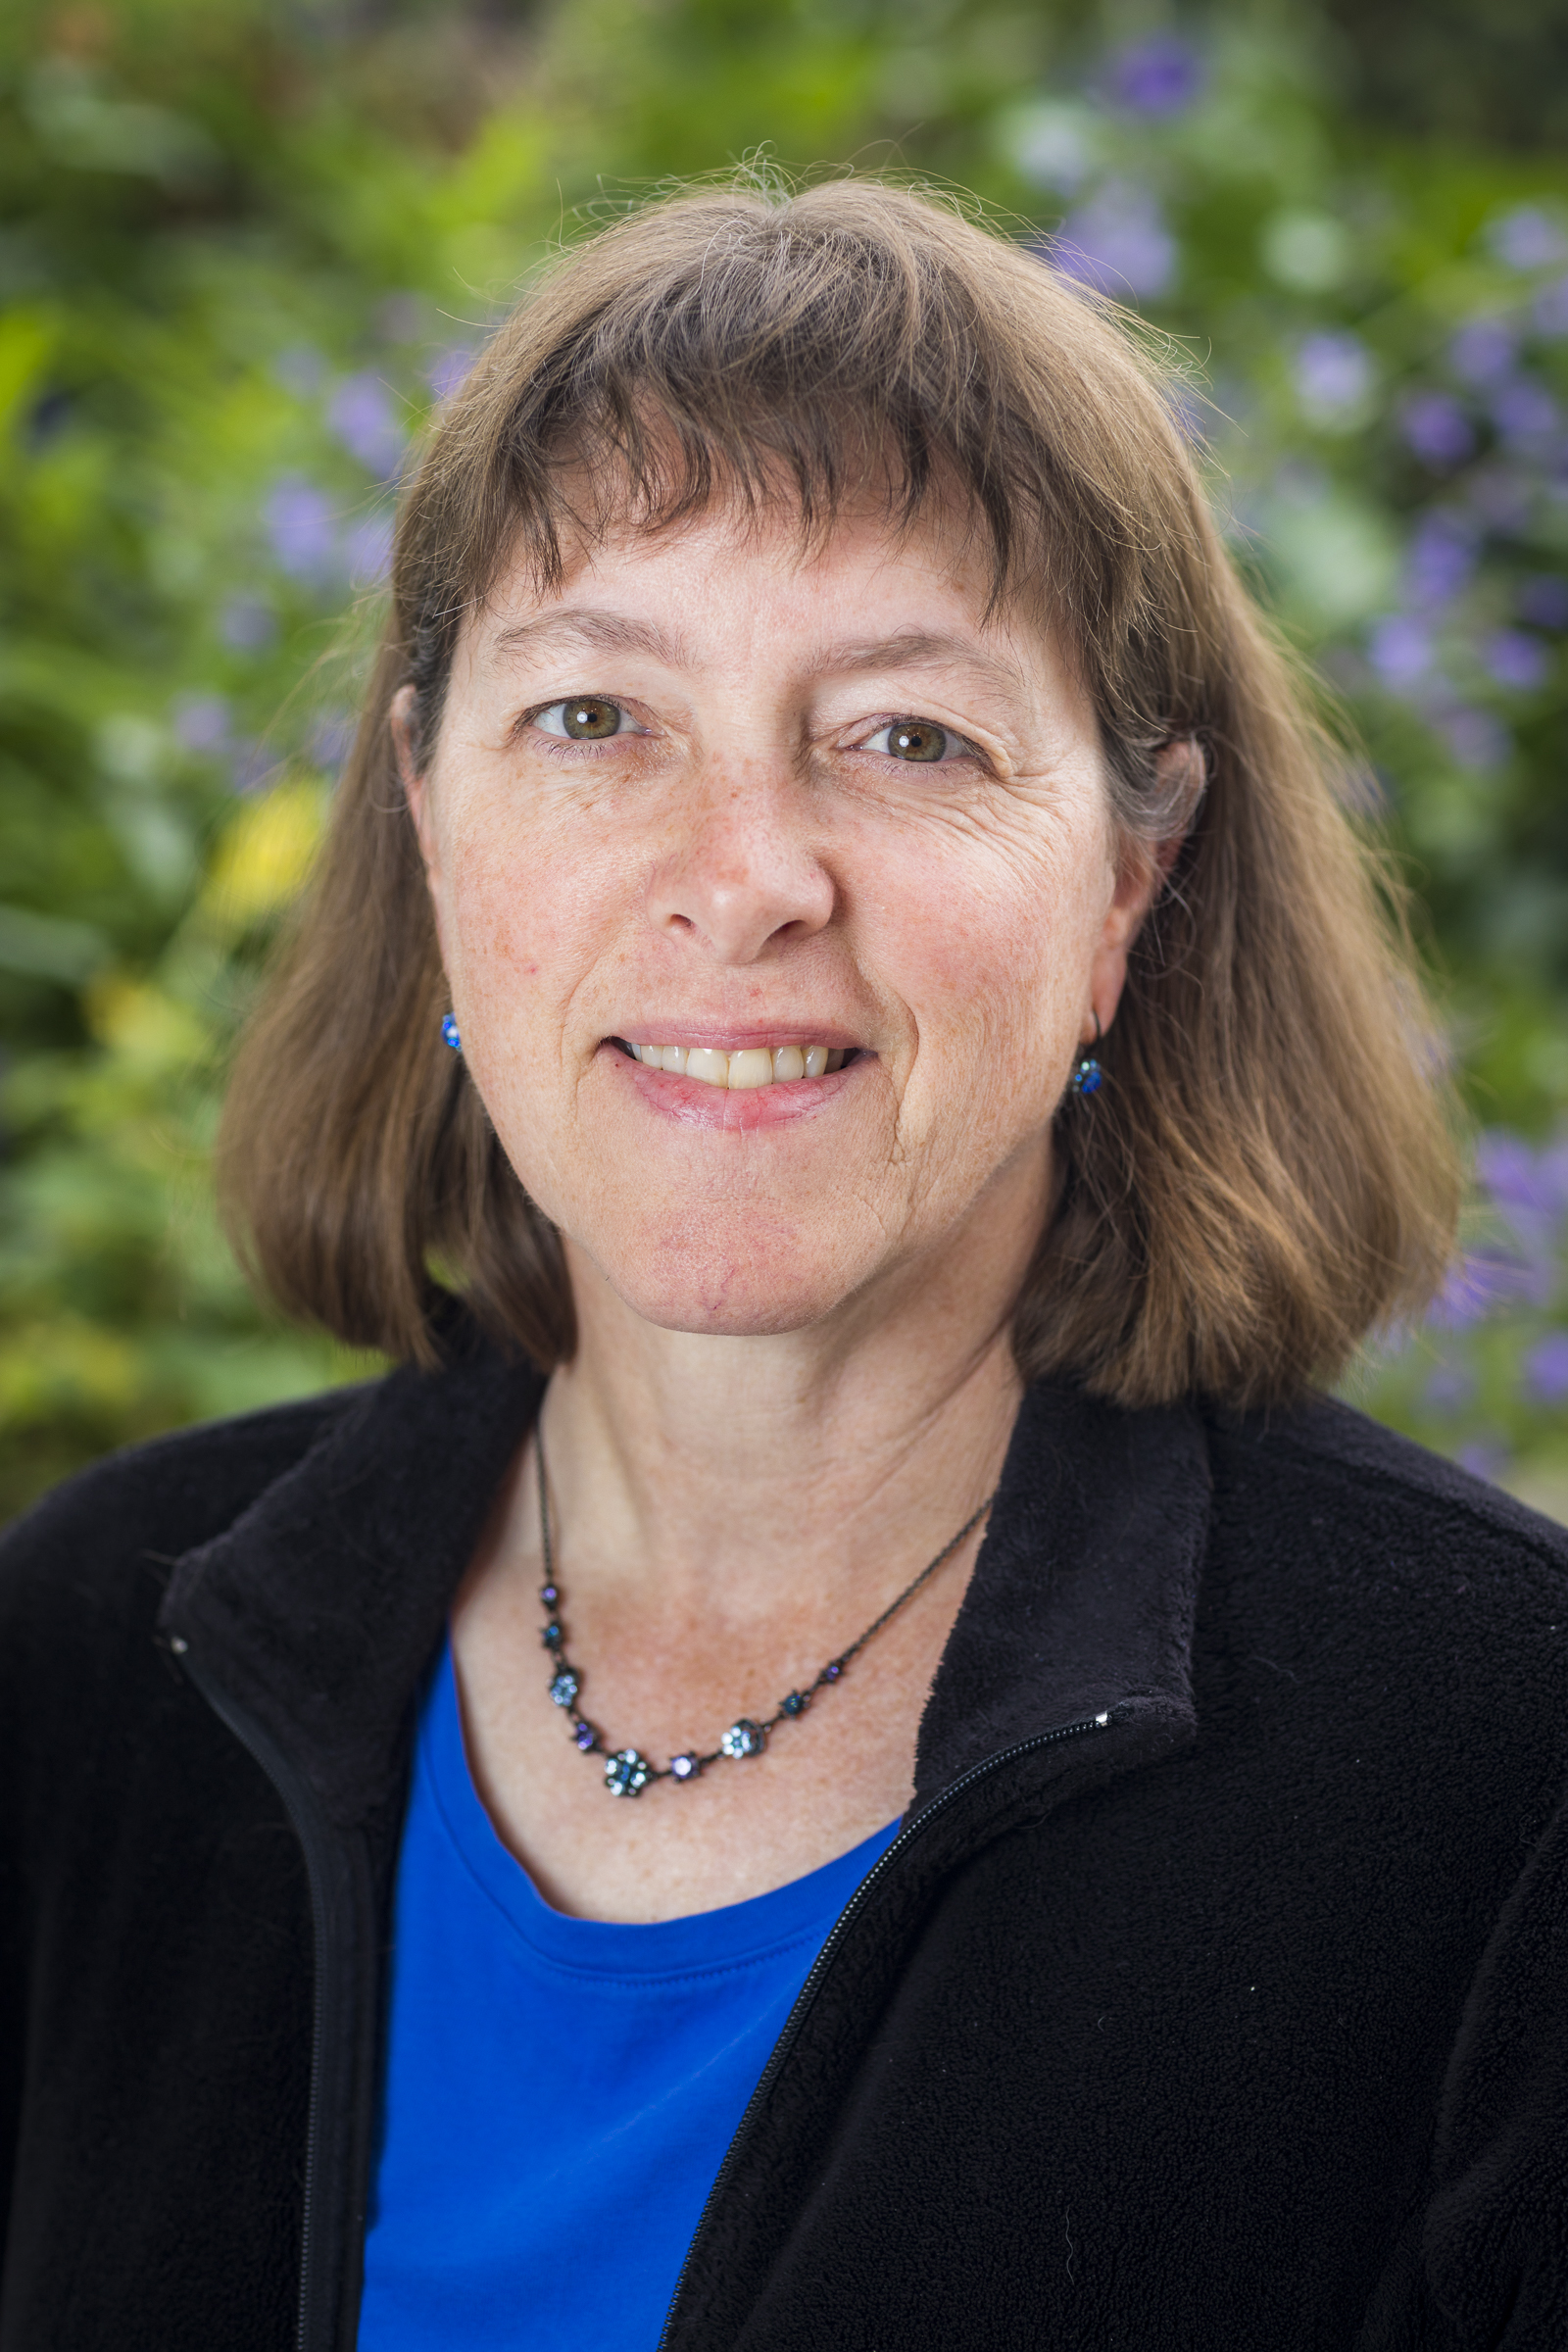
x=737 y=575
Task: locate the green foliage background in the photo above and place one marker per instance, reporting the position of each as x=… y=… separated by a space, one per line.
x=244 y=246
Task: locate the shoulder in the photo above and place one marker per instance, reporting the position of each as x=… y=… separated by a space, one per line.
x=1368 y=1486
x=1358 y=1548
x=100 y=1546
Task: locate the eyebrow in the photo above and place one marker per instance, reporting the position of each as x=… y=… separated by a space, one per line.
x=621 y=633
x=605 y=632
x=911 y=649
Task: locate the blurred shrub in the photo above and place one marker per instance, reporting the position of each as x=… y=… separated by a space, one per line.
x=242 y=250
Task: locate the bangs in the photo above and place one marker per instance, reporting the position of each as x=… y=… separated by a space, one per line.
x=801 y=361
x=646 y=469
x=860 y=390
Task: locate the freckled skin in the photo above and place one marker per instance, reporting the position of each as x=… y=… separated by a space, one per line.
x=793 y=1379
x=745 y=861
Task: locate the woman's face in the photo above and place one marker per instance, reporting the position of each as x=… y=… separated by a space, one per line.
x=740 y=802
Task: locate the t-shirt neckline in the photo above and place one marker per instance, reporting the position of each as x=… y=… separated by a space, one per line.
x=705 y=1942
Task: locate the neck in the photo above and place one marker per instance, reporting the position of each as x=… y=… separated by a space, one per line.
x=753 y=1474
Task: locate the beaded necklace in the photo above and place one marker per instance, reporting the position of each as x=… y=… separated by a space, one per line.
x=628 y=1771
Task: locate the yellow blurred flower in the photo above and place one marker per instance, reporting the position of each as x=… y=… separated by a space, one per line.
x=139 y=1020
x=264 y=854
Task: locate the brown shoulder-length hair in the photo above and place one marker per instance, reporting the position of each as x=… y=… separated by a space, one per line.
x=1269 y=1169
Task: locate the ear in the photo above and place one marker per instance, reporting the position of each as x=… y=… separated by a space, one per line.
x=1180 y=774
x=403 y=718
x=1181 y=778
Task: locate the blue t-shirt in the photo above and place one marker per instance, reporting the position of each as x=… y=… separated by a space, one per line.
x=560 y=2092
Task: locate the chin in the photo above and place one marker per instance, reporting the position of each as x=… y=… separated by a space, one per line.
x=725 y=1297
x=729 y=1321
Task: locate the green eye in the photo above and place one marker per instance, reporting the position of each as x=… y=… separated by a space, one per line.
x=586 y=718
x=917 y=739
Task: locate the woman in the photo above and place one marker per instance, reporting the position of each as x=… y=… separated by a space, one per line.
x=849 y=1753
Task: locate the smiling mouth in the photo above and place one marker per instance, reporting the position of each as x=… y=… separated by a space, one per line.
x=747 y=1068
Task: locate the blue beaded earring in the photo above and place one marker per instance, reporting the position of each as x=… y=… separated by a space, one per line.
x=1088 y=1077
x=449 y=1032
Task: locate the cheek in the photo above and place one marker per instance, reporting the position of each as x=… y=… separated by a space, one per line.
x=995 y=949
x=515 y=914
x=497 y=927
x=506 y=946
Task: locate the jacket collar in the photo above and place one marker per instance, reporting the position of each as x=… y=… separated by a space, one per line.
x=1083 y=1593
x=319 y=1611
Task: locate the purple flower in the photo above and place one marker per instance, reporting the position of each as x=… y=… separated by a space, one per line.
x=446 y=371
x=302 y=528
x=1524 y=411
x=1516 y=660
x=1483 y=1458
x=201 y=722
x=1437 y=429
x=370 y=550
x=1469 y=1294
x=1483 y=352
x=1399 y=650
x=1451 y=1389
x=1118 y=243
x=1161 y=75
x=1547 y=1369
x=1551 y=311
x=1527 y=238
x=1477 y=739
x=247 y=623
x=1545 y=600
x=1523 y=1179
x=363 y=418
x=1333 y=375
x=1440 y=557
x=1505 y=1165
x=1529 y=1186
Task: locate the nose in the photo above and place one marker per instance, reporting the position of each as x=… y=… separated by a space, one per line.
x=740 y=876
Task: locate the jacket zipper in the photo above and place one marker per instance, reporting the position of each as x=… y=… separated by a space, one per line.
x=824 y=1959
x=310 y=1828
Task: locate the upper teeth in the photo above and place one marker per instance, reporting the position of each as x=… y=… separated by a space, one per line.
x=751 y=1066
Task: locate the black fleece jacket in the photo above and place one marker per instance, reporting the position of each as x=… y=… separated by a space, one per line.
x=1214 y=1994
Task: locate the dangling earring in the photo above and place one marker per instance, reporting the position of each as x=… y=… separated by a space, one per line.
x=449 y=1032
x=1088 y=1077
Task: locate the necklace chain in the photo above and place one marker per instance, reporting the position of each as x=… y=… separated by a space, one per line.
x=628 y=1771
